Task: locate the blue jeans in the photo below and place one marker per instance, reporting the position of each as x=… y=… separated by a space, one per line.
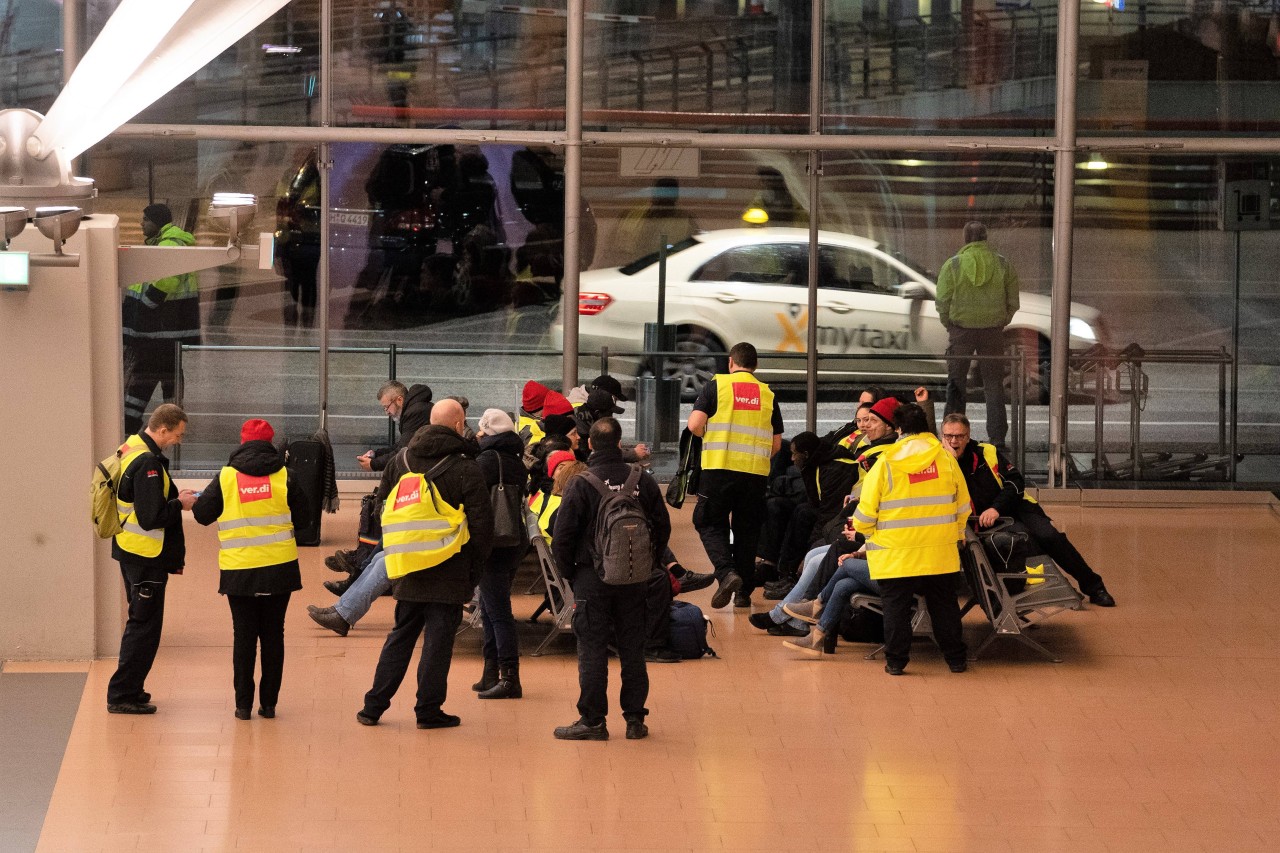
x=812 y=564
x=501 y=642
x=854 y=575
x=359 y=597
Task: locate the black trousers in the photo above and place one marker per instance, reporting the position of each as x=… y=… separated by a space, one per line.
x=141 y=638
x=438 y=624
x=778 y=512
x=148 y=362
x=257 y=621
x=604 y=614
x=731 y=502
x=962 y=345
x=1056 y=544
x=939 y=591
x=795 y=544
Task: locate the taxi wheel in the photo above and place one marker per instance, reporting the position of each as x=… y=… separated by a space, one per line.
x=1034 y=365
x=707 y=357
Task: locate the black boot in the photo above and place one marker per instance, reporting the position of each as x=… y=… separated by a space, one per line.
x=508 y=686
x=490 y=677
x=829 y=643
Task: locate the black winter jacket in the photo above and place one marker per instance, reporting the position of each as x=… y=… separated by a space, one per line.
x=143 y=484
x=829 y=475
x=574 y=530
x=460 y=482
x=258 y=459
x=985 y=491
x=415 y=415
x=510 y=447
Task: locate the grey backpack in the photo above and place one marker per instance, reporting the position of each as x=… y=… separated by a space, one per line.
x=623 y=543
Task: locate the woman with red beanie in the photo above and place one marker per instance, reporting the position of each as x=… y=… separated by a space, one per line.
x=256 y=505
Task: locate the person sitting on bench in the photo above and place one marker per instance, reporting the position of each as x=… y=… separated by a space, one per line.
x=996 y=488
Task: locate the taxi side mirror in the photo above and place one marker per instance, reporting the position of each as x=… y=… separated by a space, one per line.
x=914 y=290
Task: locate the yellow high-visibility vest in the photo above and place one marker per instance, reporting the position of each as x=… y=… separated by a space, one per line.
x=419 y=528
x=739 y=435
x=133 y=539
x=866 y=459
x=549 y=506
x=913 y=508
x=993 y=462
x=254 y=529
x=529 y=429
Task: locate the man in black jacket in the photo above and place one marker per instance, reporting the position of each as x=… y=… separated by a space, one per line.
x=149 y=549
x=411 y=409
x=604 y=612
x=429 y=602
x=998 y=491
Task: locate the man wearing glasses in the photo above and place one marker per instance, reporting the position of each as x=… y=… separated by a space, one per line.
x=996 y=488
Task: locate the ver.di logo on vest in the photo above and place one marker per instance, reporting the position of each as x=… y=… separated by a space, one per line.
x=930 y=473
x=253 y=488
x=746 y=396
x=408 y=493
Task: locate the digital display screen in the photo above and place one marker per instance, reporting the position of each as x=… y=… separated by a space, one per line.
x=15 y=269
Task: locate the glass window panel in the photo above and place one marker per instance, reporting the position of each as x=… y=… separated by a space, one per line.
x=932 y=67
x=1152 y=255
x=1178 y=68
x=233 y=306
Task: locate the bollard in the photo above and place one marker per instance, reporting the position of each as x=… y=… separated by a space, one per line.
x=658 y=399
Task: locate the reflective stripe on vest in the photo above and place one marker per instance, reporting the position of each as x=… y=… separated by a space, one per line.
x=255 y=529
x=133 y=539
x=739 y=435
x=420 y=529
x=912 y=521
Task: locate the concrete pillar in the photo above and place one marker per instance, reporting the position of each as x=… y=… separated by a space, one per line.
x=62 y=411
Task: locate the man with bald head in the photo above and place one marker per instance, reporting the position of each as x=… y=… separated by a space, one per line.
x=373 y=582
x=437 y=531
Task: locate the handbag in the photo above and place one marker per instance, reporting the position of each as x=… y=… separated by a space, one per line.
x=506 y=499
x=687 y=474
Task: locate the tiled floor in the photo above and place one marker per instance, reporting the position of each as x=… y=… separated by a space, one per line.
x=1159 y=732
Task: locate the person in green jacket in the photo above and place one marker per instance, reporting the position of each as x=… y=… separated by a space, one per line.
x=977 y=298
x=155 y=316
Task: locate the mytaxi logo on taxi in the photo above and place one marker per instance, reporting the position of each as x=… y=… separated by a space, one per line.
x=930 y=473
x=746 y=397
x=253 y=488
x=793 y=330
x=409 y=492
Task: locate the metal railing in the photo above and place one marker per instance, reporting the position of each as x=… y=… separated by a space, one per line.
x=1102 y=377
x=1113 y=376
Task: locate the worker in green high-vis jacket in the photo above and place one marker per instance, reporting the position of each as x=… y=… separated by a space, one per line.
x=977 y=297
x=156 y=316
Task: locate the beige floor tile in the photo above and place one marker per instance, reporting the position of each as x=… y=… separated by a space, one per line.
x=1158 y=732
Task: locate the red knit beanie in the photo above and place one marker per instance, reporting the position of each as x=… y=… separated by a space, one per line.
x=256 y=429
x=885 y=408
x=555 y=458
x=533 y=395
x=556 y=404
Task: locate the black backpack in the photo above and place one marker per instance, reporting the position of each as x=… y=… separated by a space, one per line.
x=688 y=636
x=623 y=542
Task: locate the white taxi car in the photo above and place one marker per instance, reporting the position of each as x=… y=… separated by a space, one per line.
x=751 y=284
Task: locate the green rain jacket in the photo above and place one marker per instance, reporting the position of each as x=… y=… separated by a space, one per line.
x=977 y=289
x=166 y=309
